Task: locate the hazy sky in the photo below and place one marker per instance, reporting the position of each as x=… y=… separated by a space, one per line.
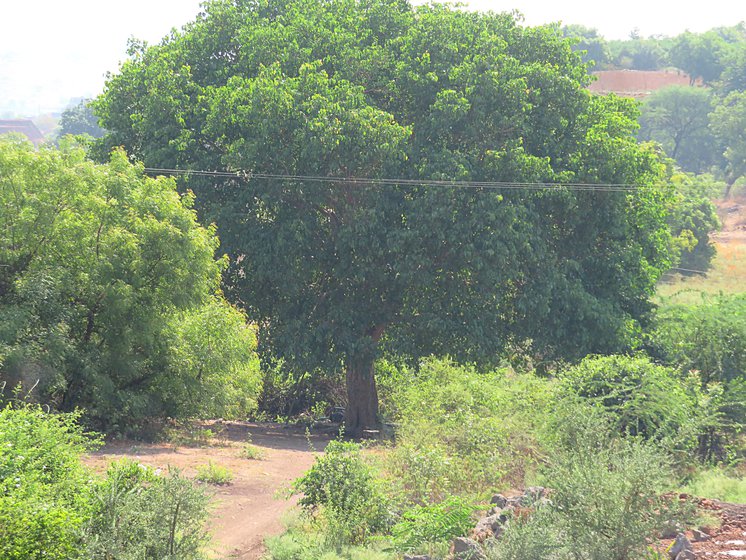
x=51 y=51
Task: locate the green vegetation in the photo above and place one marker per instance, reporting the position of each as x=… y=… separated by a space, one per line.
x=718 y=485
x=337 y=271
x=428 y=219
x=51 y=506
x=214 y=474
x=605 y=503
x=341 y=492
x=109 y=293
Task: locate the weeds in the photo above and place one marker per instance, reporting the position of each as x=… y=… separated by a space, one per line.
x=214 y=474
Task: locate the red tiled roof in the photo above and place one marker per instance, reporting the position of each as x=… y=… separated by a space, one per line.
x=23 y=126
x=636 y=83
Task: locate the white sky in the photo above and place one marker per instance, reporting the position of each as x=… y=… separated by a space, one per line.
x=52 y=51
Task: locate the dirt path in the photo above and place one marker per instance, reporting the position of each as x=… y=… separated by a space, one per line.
x=248 y=509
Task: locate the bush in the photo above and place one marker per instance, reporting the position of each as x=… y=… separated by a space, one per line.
x=214 y=474
x=608 y=500
x=605 y=501
x=44 y=490
x=693 y=218
x=341 y=490
x=433 y=524
x=461 y=431
x=710 y=340
x=52 y=507
x=213 y=369
x=140 y=515
x=89 y=316
x=641 y=398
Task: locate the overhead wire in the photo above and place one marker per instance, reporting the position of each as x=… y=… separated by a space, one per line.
x=370 y=181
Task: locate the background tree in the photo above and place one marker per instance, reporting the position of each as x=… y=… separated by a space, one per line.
x=589 y=42
x=728 y=122
x=733 y=77
x=639 y=54
x=699 y=55
x=678 y=117
x=336 y=270
x=80 y=120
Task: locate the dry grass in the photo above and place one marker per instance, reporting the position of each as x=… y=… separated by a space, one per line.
x=727 y=276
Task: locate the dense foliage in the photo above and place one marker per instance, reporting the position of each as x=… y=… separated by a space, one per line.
x=51 y=506
x=337 y=269
x=709 y=340
x=109 y=292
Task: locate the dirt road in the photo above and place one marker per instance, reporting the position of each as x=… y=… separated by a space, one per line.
x=251 y=507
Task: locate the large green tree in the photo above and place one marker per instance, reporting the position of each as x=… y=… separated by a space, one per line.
x=336 y=268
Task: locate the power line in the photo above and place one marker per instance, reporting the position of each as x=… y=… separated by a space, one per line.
x=368 y=181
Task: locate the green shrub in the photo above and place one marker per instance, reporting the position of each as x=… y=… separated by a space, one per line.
x=44 y=489
x=432 y=524
x=213 y=369
x=214 y=474
x=89 y=316
x=605 y=501
x=251 y=451
x=608 y=499
x=710 y=340
x=341 y=490
x=641 y=398
x=140 y=515
x=537 y=537
x=460 y=430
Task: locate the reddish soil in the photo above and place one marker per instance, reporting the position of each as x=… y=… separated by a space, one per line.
x=248 y=509
x=726 y=541
x=635 y=83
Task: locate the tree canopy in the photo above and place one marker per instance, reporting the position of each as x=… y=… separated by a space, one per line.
x=305 y=99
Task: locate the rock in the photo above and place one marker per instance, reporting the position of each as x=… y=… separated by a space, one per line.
x=700 y=536
x=490 y=524
x=532 y=495
x=686 y=555
x=499 y=500
x=514 y=502
x=670 y=530
x=416 y=557
x=467 y=549
x=680 y=545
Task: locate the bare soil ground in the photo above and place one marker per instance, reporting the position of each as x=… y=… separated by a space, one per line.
x=726 y=541
x=732 y=213
x=251 y=507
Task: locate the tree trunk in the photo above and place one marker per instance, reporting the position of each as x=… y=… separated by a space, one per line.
x=362 y=397
x=730 y=181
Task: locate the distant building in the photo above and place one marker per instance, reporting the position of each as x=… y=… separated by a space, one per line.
x=636 y=83
x=22 y=126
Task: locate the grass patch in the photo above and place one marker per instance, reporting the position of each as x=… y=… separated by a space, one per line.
x=214 y=474
x=727 y=276
x=718 y=485
x=251 y=451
